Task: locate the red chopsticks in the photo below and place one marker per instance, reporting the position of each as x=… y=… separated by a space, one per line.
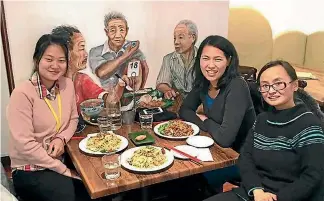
x=184 y=154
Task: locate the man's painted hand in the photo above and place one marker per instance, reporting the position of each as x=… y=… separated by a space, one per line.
x=170 y=94
x=130 y=50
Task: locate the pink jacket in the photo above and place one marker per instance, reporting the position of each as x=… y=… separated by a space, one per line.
x=31 y=123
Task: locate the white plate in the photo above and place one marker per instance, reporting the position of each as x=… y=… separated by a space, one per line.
x=83 y=145
x=193 y=151
x=194 y=127
x=129 y=153
x=200 y=141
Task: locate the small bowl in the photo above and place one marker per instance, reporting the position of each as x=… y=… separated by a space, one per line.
x=92 y=107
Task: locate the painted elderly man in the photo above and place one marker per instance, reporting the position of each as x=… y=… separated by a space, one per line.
x=118 y=55
x=85 y=87
x=176 y=74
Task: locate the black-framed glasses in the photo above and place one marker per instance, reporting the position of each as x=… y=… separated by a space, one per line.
x=276 y=86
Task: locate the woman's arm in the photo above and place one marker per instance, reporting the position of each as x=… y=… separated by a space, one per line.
x=188 y=109
x=237 y=103
x=249 y=174
x=310 y=148
x=20 y=117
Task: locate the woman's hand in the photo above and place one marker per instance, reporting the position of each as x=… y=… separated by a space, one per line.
x=274 y=197
x=260 y=195
x=56 y=148
x=202 y=117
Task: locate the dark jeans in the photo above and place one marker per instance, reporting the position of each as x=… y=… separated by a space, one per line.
x=47 y=185
x=217 y=178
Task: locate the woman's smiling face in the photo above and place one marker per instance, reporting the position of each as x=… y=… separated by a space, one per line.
x=53 y=64
x=213 y=63
x=277 y=88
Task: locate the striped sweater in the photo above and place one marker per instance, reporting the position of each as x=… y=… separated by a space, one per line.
x=283 y=154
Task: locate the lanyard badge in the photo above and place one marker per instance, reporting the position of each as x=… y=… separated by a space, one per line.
x=57 y=119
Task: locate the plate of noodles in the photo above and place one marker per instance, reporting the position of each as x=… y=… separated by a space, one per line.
x=176 y=129
x=146 y=159
x=99 y=144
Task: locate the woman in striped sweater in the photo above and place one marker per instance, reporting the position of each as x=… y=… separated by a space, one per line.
x=281 y=157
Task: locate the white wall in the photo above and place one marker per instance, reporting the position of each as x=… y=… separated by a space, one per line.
x=151 y=22
x=285 y=15
x=4 y=102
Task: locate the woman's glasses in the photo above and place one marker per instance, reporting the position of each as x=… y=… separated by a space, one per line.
x=276 y=86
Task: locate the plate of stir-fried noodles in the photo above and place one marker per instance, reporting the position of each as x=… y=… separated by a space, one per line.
x=99 y=144
x=176 y=129
x=146 y=159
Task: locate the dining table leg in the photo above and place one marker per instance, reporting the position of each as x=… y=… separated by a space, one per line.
x=144 y=194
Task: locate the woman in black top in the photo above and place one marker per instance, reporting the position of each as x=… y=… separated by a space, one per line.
x=228 y=108
x=282 y=156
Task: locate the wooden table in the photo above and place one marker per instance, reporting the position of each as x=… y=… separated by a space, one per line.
x=91 y=169
x=314 y=87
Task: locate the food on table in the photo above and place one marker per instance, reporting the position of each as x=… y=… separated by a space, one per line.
x=145 y=98
x=147 y=157
x=176 y=128
x=104 y=143
x=92 y=107
x=148 y=102
x=140 y=137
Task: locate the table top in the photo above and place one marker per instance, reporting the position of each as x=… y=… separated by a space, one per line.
x=91 y=169
x=314 y=87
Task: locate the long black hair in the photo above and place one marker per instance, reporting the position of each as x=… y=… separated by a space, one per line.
x=43 y=43
x=231 y=70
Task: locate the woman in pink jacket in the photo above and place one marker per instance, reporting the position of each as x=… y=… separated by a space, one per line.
x=42 y=117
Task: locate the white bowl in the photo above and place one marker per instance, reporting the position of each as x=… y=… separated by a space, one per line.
x=200 y=141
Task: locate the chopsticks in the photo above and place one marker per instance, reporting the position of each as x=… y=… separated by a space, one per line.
x=193 y=159
x=129 y=88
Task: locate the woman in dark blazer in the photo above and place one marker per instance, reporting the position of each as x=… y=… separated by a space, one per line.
x=228 y=109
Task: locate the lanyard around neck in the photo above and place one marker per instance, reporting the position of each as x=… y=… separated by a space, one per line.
x=57 y=119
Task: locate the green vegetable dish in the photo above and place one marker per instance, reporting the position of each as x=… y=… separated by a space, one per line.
x=162 y=128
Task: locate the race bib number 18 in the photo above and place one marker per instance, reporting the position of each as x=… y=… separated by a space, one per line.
x=133 y=69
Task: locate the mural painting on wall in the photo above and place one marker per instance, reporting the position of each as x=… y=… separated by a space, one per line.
x=85 y=87
x=117 y=55
x=176 y=73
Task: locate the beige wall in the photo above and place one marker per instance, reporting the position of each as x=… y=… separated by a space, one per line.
x=151 y=22
x=287 y=15
x=277 y=29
